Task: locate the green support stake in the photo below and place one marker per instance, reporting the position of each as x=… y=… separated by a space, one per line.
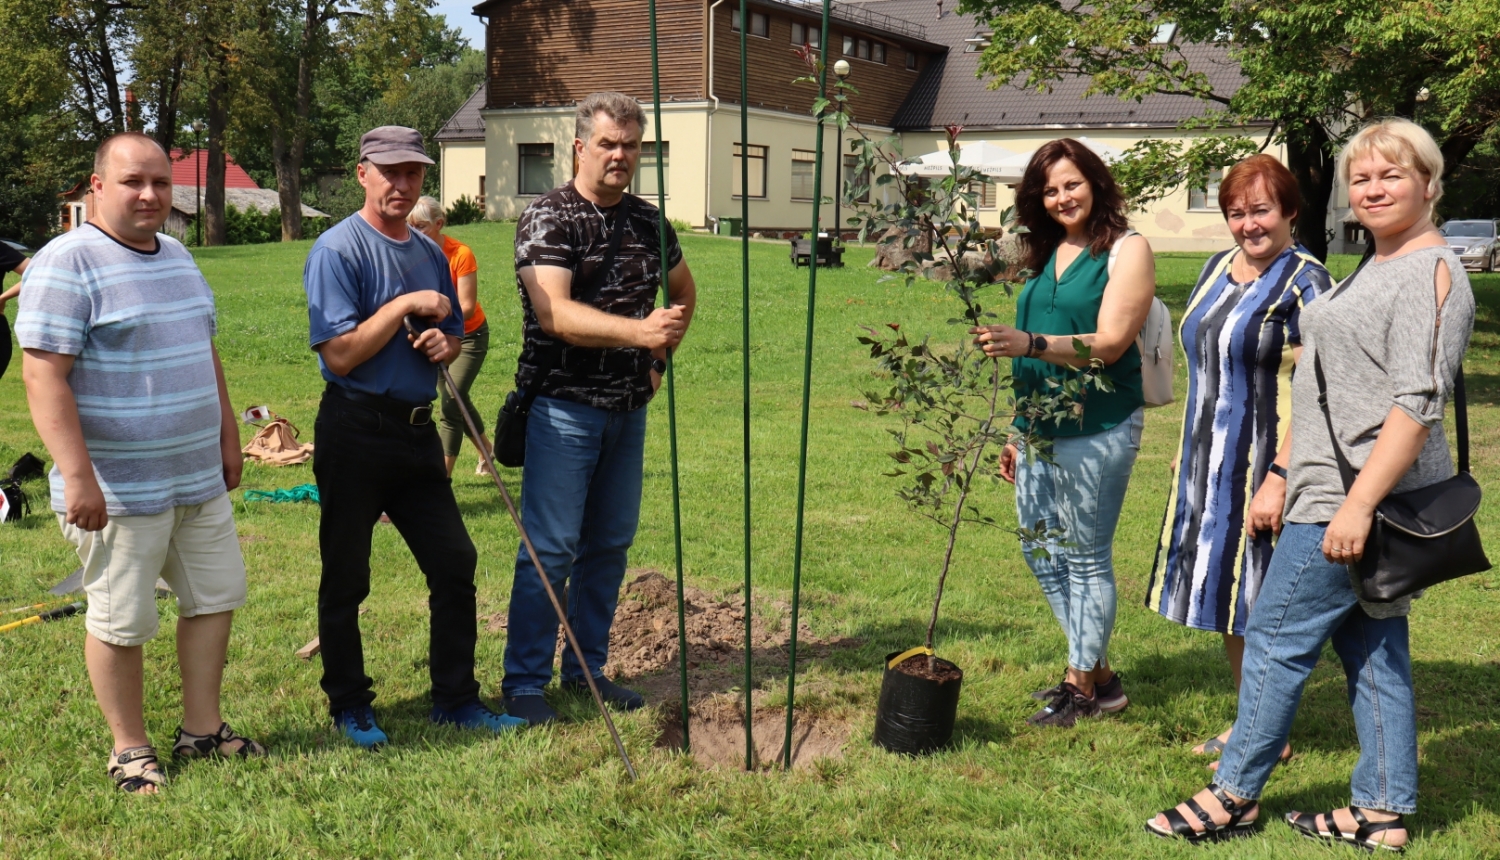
x=749 y=685
x=812 y=298
x=666 y=297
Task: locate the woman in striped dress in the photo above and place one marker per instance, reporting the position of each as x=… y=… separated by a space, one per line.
x=1240 y=334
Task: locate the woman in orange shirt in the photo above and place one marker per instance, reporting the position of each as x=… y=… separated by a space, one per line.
x=427 y=217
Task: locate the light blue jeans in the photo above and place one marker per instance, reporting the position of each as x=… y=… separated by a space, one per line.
x=1303 y=602
x=581 y=503
x=1080 y=492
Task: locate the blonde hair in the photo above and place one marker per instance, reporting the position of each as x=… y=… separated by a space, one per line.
x=426 y=211
x=1402 y=142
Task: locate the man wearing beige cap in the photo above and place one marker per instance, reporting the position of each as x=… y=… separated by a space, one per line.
x=377 y=447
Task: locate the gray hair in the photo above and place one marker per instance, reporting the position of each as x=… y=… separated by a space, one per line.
x=424 y=212
x=617 y=106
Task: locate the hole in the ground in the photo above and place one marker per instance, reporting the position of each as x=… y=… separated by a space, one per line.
x=716 y=729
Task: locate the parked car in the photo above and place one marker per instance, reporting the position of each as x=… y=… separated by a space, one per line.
x=1476 y=242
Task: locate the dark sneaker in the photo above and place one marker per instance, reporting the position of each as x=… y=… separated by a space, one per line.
x=475 y=715
x=533 y=709
x=1070 y=706
x=1050 y=693
x=614 y=694
x=1111 y=695
x=358 y=725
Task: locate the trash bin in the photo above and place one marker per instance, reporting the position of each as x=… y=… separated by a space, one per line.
x=731 y=226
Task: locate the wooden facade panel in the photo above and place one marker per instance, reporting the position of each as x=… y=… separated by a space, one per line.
x=547 y=52
x=773 y=66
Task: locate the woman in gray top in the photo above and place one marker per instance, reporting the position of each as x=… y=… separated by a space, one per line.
x=1390 y=340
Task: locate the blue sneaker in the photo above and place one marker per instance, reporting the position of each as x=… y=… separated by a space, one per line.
x=474 y=715
x=358 y=725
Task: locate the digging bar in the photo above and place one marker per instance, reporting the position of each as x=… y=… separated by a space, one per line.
x=562 y=617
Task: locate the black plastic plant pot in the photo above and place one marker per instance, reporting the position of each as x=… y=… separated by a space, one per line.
x=915 y=714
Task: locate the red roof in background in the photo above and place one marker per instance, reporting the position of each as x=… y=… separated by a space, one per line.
x=188 y=171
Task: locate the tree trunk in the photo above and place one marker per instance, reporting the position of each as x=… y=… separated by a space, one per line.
x=1310 y=155
x=215 y=230
x=168 y=90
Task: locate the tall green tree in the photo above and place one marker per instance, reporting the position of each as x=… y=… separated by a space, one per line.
x=1314 y=69
x=294 y=46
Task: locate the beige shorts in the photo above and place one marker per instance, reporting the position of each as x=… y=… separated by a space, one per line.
x=193 y=547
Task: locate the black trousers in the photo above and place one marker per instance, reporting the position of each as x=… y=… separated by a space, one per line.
x=367 y=462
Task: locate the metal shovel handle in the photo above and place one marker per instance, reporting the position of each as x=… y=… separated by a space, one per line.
x=562 y=617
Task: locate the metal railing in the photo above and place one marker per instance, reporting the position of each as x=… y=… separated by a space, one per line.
x=857 y=13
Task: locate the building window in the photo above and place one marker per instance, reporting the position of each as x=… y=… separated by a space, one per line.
x=854 y=178
x=760 y=25
x=757 y=158
x=802 y=34
x=1164 y=34
x=480 y=201
x=536 y=168
x=78 y=215
x=1206 y=199
x=803 y=164
x=645 y=172
x=848 y=46
x=877 y=53
x=911 y=61
x=864 y=49
x=979 y=41
x=984 y=193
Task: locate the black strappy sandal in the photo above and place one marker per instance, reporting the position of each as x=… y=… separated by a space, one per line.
x=1236 y=825
x=129 y=771
x=1306 y=823
x=189 y=746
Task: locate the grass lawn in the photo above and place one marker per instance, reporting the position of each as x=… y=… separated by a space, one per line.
x=1004 y=789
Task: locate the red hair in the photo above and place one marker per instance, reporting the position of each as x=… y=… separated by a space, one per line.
x=1106 y=221
x=1266 y=170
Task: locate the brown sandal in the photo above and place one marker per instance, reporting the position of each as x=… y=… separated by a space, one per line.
x=128 y=768
x=188 y=746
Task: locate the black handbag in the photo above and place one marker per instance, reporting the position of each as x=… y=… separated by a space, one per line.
x=510 y=424
x=1421 y=537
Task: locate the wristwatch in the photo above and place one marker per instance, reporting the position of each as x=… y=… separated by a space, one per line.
x=1038 y=346
x=1277 y=470
x=658 y=365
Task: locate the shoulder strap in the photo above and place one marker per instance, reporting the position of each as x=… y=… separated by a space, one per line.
x=1461 y=419
x=1114 y=251
x=588 y=290
x=1460 y=423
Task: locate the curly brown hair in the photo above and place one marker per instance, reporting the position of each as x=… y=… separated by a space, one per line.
x=1106 y=221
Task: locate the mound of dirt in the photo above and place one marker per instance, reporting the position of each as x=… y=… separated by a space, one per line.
x=644 y=638
x=716 y=732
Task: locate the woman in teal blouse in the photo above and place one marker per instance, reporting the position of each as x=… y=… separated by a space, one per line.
x=1075 y=215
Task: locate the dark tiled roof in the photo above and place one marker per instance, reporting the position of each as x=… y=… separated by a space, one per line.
x=466 y=123
x=948 y=91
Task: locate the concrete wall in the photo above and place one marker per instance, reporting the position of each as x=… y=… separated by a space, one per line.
x=463 y=163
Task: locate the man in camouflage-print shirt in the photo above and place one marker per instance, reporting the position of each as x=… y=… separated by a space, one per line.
x=594 y=349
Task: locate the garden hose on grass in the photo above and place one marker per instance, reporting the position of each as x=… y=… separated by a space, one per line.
x=562 y=616
x=53 y=615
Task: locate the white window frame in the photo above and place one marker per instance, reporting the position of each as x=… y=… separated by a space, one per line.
x=646 y=170
x=1206 y=199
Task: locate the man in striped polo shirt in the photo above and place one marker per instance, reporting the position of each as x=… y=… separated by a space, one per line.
x=128 y=395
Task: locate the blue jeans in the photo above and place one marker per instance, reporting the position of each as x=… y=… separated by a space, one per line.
x=580 y=503
x=1080 y=492
x=1304 y=601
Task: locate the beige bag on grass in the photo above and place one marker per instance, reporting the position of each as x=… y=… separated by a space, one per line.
x=277 y=445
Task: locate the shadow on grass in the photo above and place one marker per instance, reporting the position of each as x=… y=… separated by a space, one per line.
x=406 y=721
